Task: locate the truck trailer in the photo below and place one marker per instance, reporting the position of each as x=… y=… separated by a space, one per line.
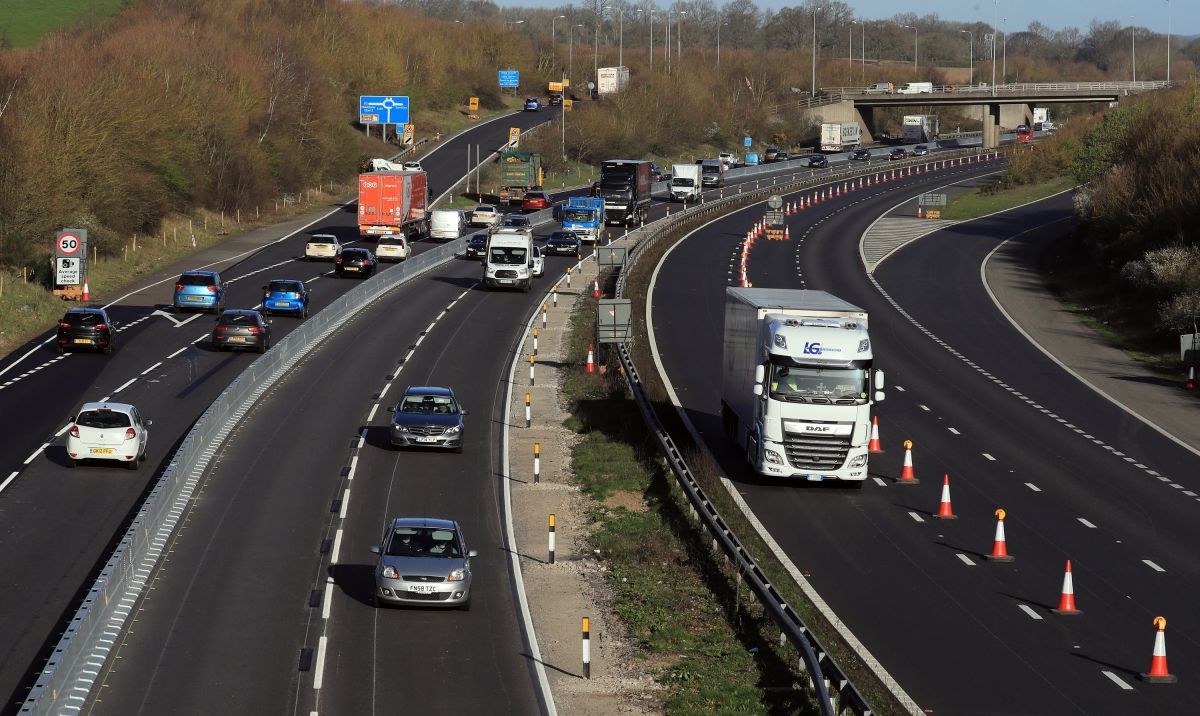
x=625 y=188
x=393 y=202
x=520 y=172
x=610 y=80
x=920 y=128
x=840 y=136
x=799 y=383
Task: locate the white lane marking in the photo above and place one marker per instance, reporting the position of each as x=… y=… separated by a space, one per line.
x=345 y=504
x=1189 y=493
x=1032 y=614
x=916 y=517
x=965 y=559
x=353 y=467
x=879 y=481
x=1085 y=523
x=371 y=415
x=62 y=430
x=1153 y=566
x=1117 y=680
x=11 y=476
x=900 y=388
x=385 y=390
x=174 y=320
x=362 y=438
x=327 y=603
x=104 y=399
x=151 y=368
x=431 y=325
x=35 y=453
x=923 y=407
x=177 y=352
x=419 y=341
x=125 y=385
x=988 y=457
x=337 y=547
x=202 y=337
x=954 y=431
x=1033 y=487
x=319 y=670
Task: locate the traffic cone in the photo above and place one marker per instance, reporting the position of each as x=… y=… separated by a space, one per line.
x=591 y=363
x=787 y=233
x=1191 y=381
x=945 y=509
x=87 y=295
x=907 y=477
x=595 y=288
x=999 y=545
x=1066 y=602
x=874 y=445
x=1158 y=673
x=918 y=212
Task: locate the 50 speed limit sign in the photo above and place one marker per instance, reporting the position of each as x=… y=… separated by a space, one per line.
x=71 y=242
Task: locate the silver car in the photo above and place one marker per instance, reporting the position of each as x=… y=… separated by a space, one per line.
x=427 y=416
x=423 y=562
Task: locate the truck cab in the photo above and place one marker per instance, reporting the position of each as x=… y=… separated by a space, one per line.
x=584 y=215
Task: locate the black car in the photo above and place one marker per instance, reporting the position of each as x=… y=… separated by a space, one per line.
x=818 y=160
x=476 y=245
x=240 y=328
x=355 y=262
x=898 y=153
x=555 y=99
x=562 y=242
x=427 y=417
x=782 y=157
x=89 y=328
x=861 y=154
x=519 y=221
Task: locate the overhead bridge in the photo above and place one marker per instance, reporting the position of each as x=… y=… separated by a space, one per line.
x=1006 y=105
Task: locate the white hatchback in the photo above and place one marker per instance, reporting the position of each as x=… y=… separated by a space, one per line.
x=392 y=247
x=485 y=215
x=108 y=431
x=413 y=167
x=322 y=246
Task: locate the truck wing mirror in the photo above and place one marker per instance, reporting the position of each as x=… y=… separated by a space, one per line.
x=760 y=372
x=878 y=380
x=879 y=395
x=758 y=390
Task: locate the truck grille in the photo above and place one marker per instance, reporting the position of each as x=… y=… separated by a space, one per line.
x=816 y=452
x=505 y=273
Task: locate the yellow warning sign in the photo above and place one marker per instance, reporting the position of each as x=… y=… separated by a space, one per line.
x=567 y=103
x=473 y=104
x=933 y=214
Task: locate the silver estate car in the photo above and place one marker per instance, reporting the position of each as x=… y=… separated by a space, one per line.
x=427 y=417
x=423 y=561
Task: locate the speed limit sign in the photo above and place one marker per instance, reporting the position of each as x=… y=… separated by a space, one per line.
x=71 y=242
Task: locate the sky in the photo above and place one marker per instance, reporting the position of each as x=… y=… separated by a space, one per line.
x=1184 y=15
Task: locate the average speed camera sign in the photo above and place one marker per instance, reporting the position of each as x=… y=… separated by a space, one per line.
x=71 y=242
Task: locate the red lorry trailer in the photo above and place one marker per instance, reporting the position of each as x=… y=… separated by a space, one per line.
x=393 y=202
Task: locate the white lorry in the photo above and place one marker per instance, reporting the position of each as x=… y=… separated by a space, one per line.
x=508 y=259
x=840 y=136
x=799 y=383
x=610 y=80
x=685 y=182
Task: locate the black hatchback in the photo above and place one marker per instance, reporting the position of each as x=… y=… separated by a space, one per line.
x=818 y=160
x=241 y=328
x=476 y=245
x=89 y=328
x=355 y=262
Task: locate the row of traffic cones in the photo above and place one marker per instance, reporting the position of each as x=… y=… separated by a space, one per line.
x=1158 y=673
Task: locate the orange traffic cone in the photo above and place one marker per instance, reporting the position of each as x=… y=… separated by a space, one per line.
x=1000 y=546
x=595 y=288
x=874 y=445
x=787 y=233
x=591 y=364
x=907 y=477
x=87 y=295
x=1066 y=602
x=918 y=212
x=945 y=509
x=1158 y=673
x=1191 y=381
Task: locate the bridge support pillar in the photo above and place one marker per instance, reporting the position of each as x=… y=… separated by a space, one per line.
x=991 y=126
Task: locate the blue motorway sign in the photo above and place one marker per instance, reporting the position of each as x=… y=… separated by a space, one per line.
x=746 y=141
x=510 y=78
x=382 y=109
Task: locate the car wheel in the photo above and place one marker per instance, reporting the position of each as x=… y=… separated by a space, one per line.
x=61 y=350
x=304 y=312
x=262 y=347
x=133 y=464
x=108 y=349
x=465 y=606
x=71 y=462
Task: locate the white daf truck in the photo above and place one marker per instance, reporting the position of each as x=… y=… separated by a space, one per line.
x=799 y=383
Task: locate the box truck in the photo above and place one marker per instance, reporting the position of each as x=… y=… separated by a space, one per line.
x=610 y=80
x=585 y=216
x=520 y=172
x=685 y=182
x=393 y=202
x=798 y=383
x=625 y=188
x=840 y=136
x=920 y=128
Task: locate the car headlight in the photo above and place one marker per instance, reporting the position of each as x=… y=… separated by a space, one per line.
x=400 y=428
x=454 y=430
x=389 y=572
x=457 y=575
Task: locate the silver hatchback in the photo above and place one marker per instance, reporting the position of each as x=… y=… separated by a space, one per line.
x=423 y=562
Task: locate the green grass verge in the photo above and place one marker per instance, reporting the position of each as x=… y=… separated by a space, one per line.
x=981 y=202
x=24 y=22
x=696 y=628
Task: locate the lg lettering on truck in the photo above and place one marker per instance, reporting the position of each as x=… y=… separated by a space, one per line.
x=625 y=188
x=392 y=201
x=508 y=259
x=799 y=383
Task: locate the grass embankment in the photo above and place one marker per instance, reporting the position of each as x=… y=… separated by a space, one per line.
x=985 y=200
x=696 y=628
x=24 y=22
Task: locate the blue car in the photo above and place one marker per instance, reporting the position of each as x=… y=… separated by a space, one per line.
x=286 y=296
x=532 y=105
x=201 y=290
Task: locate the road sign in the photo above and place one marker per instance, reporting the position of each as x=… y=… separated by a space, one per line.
x=473 y=104
x=933 y=214
x=568 y=103
x=383 y=109
x=68 y=271
x=932 y=200
x=70 y=242
x=410 y=131
x=746 y=142
x=614 y=320
x=775 y=201
x=514 y=137
x=510 y=78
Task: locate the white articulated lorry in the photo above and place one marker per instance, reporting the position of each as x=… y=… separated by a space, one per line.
x=799 y=383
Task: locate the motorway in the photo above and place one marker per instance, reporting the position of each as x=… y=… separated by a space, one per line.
x=1078 y=477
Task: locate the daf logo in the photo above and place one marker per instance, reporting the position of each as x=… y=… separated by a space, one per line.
x=817 y=429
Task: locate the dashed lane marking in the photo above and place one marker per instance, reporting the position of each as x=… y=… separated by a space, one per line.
x=1117 y=680
x=151 y=368
x=1033 y=487
x=965 y=559
x=1085 y=523
x=1153 y=566
x=337 y=547
x=916 y=517
x=1032 y=614
x=989 y=457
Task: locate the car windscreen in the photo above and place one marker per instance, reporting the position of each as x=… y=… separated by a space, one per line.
x=436 y=404
x=83 y=318
x=511 y=256
x=192 y=279
x=283 y=287
x=391 y=242
x=424 y=542
x=103 y=419
x=355 y=254
x=485 y=210
x=239 y=320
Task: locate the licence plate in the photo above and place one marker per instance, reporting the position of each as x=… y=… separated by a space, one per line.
x=426 y=439
x=281 y=304
x=195 y=299
x=349 y=268
x=84 y=340
x=422 y=588
x=101 y=451
x=814 y=478
x=235 y=339
x=505 y=280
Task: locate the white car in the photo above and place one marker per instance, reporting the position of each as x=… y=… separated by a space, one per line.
x=485 y=215
x=392 y=247
x=413 y=167
x=322 y=246
x=727 y=159
x=539 y=263
x=108 y=431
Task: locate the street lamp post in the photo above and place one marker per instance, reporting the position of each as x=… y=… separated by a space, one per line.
x=557 y=17
x=814 y=51
x=1004 y=52
x=719 y=42
x=914 y=29
x=679 y=37
x=1133 y=39
x=621 y=33
x=994 y=25
x=571 y=54
x=971 y=35
x=1168 y=41
x=852 y=24
x=863 y=79
x=667 y=44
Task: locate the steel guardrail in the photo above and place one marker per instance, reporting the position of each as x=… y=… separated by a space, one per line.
x=834 y=690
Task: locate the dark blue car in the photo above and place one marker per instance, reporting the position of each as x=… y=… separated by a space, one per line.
x=286 y=295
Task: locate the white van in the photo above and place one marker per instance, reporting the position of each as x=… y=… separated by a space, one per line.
x=447 y=224
x=508 y=259
x=916 y=88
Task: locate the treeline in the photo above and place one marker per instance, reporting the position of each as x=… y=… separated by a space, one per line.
x=220 y=104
